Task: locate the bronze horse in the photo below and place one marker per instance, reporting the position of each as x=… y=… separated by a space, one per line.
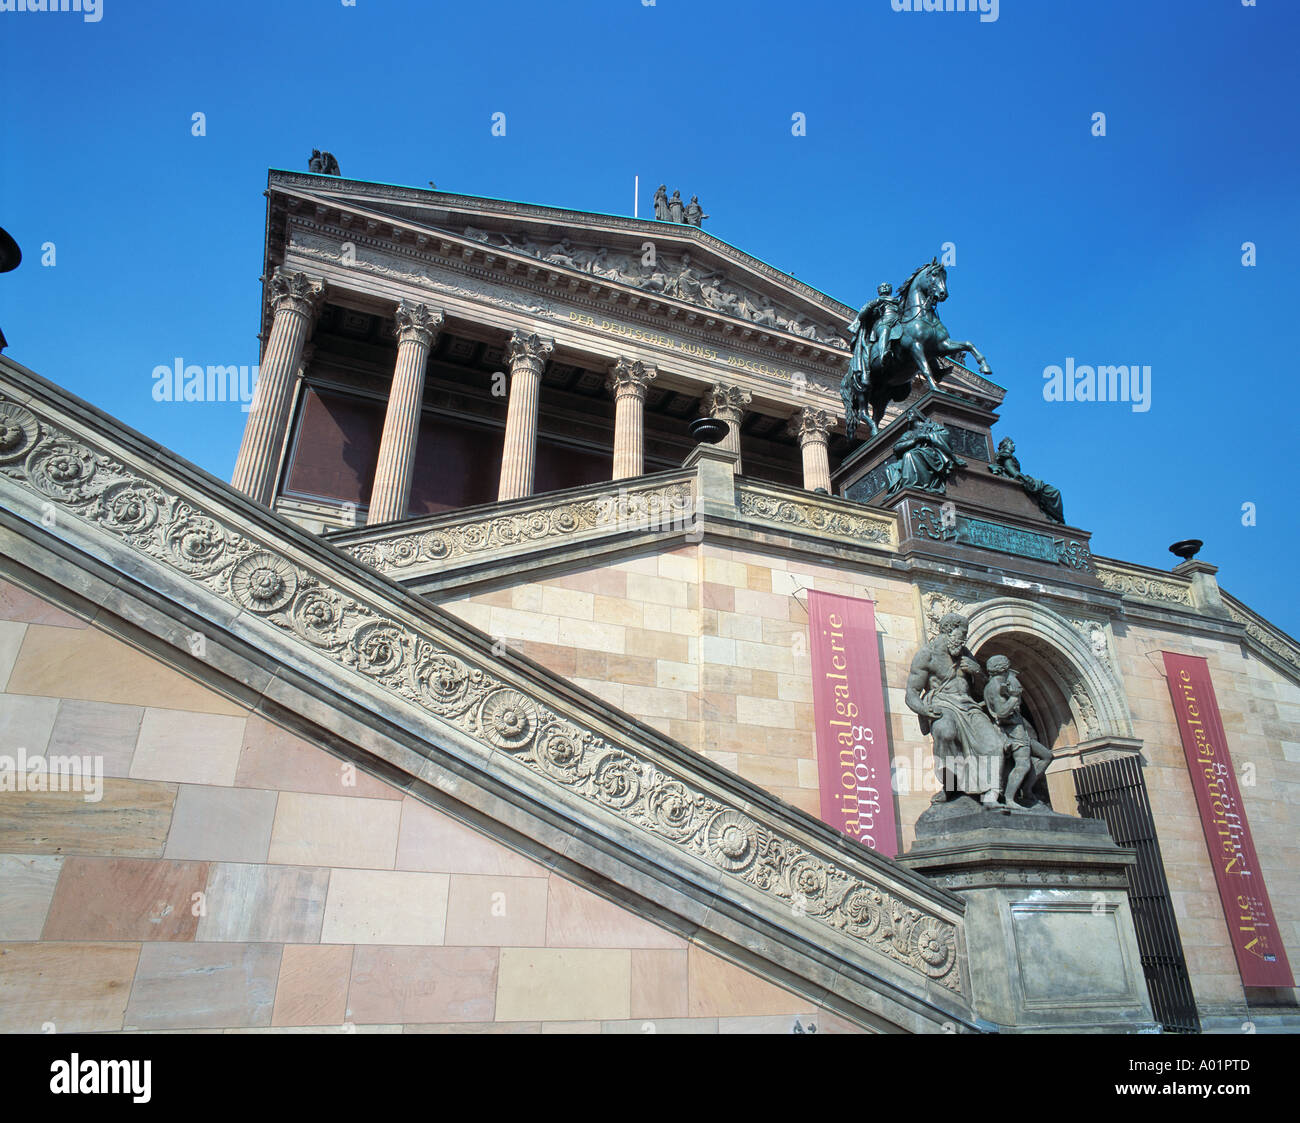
x=886 y=361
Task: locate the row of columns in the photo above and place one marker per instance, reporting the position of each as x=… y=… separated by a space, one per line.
x=295 y=299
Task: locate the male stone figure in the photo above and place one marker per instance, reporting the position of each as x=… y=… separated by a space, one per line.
x=968 y=748
x=1002 y=700
x=676 y=208
x=661 y=203
x=695 y=215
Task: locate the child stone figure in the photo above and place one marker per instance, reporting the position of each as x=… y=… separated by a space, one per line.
x=1002 y=700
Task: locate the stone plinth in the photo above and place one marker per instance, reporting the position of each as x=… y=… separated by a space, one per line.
x=1049 y=932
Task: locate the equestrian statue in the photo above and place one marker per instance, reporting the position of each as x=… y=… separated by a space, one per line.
x=894 y=339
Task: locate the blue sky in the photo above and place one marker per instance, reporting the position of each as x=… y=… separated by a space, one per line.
x=922 y=128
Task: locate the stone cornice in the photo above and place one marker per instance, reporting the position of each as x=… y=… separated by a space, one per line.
x=76 y=478
x=1269 y=641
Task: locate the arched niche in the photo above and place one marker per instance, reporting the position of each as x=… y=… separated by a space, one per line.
x=1067 y=686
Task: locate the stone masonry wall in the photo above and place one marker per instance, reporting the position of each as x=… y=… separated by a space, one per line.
x=237 y=877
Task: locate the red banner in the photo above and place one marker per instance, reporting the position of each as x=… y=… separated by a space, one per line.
x=1256 y=942
x=849 y=710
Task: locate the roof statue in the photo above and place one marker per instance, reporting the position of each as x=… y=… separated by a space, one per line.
x=894 y=339
x=323 y=163
x=674 y=210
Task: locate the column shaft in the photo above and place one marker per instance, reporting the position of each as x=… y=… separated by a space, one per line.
x=628 y=380
x=416 y=326
x=813 y=429
x=527 y=353
x=728 y=403
x=295 y=298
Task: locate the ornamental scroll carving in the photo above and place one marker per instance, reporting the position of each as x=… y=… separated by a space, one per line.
x=810 y=515
x=1263 y=636
x=406 y=662
x=662 y=507
x=1143 y=587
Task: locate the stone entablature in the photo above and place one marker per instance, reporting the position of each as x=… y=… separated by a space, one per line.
x=450 y=212
x=259 y=582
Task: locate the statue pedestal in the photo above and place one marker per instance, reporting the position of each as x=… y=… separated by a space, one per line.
x=1049 y=935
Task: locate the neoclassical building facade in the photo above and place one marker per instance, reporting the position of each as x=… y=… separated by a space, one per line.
x=482 y=697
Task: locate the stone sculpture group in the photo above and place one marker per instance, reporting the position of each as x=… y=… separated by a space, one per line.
x=683 y=281
x=674 y=210
x=985 y=748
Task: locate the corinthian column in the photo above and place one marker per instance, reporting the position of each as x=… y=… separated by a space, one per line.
x=295 y=298
x=527 y=353
x=813 y=429
x=417 y=327
x=728 y=403
x=628 y=381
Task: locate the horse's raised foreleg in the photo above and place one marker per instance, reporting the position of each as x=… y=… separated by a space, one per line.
x=955 y=347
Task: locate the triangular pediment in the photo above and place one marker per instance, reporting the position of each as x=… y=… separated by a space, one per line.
x=650 y=263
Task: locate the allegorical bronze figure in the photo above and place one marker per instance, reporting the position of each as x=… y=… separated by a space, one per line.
x=1045 y=495
x=925 y=458
x=894 y=338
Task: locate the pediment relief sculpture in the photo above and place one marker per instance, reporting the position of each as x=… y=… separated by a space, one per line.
x=681 y=279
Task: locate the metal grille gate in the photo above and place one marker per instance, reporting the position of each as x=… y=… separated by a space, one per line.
x=1116 y=792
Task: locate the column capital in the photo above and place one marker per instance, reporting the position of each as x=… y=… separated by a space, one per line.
x=630 y=376
x=811 y=426
x=528 y=351
x=727 y=402
x=418 y=323
x=295 y=291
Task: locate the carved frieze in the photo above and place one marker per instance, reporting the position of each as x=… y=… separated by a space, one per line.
x=306 y=605
x=658 y=506
x=1262 y=635
x=677 y=278
x=1144 y=587
x=808 y=514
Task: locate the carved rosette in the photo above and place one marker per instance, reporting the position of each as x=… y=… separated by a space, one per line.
x=630 y=378
x=417 y=323
x=295 y=292
x=528 y=352
x=310 y=607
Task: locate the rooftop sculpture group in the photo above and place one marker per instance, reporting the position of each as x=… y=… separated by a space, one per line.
x=674 y=210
